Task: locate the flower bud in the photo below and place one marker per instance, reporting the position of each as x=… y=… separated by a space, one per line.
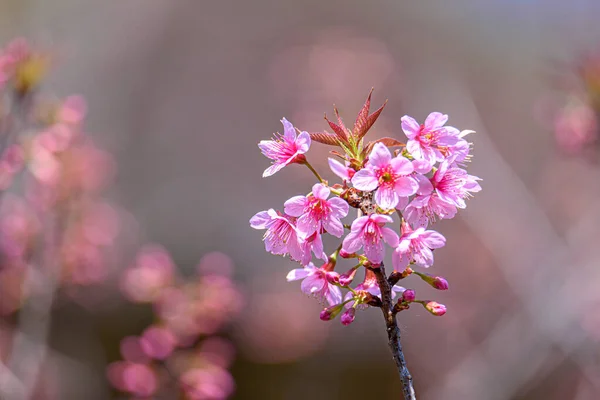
x=408 y=296
x=345 y=254
x=330 y=313
x=437 y=282
x=332 y=277
x=348 y=316
x=348 y=277
x=435 y=308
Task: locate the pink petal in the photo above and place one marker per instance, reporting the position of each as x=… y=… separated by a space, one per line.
x=435 y=120
x=425 y=186
x=303 y=142
x=260 y=220
x=421 y=166
x=402 y=203
x=295 y=206
x=410 y=127
x=307 y=225
x=297 y=274
x=424 y=257
x=374 y=251
x=339 y=207
x=401 y=166
x=334 y=295
x=289 y=133
x=381 y=219
x=334 y=226
x=406 y=186
x=339 y=169
x=352 y=242
x=320 y=191
x=433 y=239
x=386 y=198
x=365 y=180
x=380 y=156
x=400 y=260
x=390 y=237
x=273 y=169
x=313 y=284
x=415 y=149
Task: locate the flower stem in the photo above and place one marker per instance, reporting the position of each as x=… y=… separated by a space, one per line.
x=393 y=332
x=314 y=171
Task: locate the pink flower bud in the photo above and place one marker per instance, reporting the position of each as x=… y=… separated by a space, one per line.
x=345 y=254
x=348 y=277
x=332 y=277
x=330 y=312
x=348 y=316
x=437 y=282
x=440 y=283
x=408 y=295
x=435 y=308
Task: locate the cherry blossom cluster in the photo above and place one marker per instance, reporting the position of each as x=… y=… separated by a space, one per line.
x=419 y=182
x=181 y=347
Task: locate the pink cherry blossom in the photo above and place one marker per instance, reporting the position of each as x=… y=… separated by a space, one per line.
x=453 y=184
x=431 y=140
x=315 y=213
x=416 y=245
x=390 y=176
x=281 y=236
x=440 y=196
x=317 y=282
x=312 y=245
x=285 y=149
x=343 y=171
x=369 y=232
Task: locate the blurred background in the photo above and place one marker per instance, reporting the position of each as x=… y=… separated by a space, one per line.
x=180 y=92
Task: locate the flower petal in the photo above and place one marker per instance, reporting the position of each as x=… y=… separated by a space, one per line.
x=320 y=191
x=380 y=156
x=260 y=220
x=435 y=120
x=410 y=127
x=289 y=132
x=352 y=242
x=402 y=166
x=339 y=207
x=303 y=142
x=365 y=180
x=297 y=274
x=433 y=239
x=339 y=169
x=405 y=186
x=386 y=197
x=390 y=237
x=295 y=206
x=333 y=226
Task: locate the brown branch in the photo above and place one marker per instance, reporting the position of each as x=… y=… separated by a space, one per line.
x=393 y=332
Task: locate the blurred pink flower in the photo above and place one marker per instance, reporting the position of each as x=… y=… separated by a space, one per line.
x=285 y=149
x=207 y=384
x=315 y=213
x=369 y=231
x=157 y=342
x=153 y=272
x=139 y=379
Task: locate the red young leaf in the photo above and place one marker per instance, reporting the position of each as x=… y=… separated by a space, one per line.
x=371 y=120
x=361 y=119
x=340 y=122
x=325 y=138
x=339 y=131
